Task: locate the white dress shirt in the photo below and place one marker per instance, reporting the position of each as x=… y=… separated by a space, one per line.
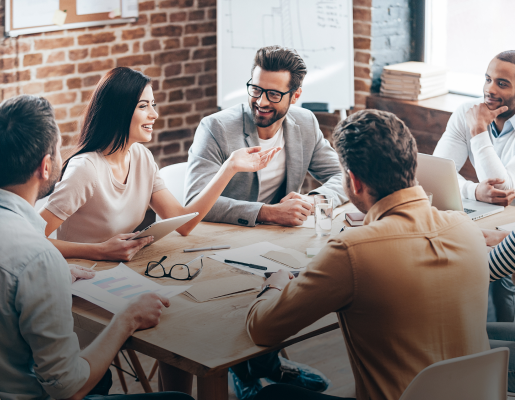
x=273 y=175
x=39 y=353
x=491 y=156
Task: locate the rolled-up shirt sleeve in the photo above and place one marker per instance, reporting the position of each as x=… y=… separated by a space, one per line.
x=43 y=301
x=488 y=164
x=326 y=286
x=453 y=146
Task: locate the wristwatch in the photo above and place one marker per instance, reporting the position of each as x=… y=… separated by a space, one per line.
x=267 y=287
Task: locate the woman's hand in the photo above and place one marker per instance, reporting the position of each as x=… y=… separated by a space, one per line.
x=250 y=159
x=119 y=248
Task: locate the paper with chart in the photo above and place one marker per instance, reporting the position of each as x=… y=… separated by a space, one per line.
x=252 y=254
x=112 y=289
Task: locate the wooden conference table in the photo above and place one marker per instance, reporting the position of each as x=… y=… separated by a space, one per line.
x=206 y=339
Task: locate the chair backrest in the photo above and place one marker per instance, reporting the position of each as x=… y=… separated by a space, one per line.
x=174 y=177
x=475 y=377
x=38 y=206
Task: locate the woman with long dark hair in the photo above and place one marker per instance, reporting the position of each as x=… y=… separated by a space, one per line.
x=108 y=184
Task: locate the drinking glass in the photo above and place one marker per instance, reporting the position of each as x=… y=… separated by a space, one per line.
x=323 y=215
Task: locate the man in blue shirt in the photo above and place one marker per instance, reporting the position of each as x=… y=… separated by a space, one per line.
x=39 y=352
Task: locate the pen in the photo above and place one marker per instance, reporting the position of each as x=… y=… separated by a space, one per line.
x=247 y=265
x=223 y=246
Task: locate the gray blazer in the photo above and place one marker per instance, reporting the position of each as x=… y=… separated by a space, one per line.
x=218 y=135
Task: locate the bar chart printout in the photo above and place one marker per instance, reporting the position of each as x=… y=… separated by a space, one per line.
x=114 y=288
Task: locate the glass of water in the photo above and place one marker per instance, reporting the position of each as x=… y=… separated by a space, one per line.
x=323 y=215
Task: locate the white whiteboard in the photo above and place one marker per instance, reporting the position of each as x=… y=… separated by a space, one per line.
x=320 y=31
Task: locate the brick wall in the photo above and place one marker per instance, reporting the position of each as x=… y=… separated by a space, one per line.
x=173 y=42
x=391 y=36
x=384 y=34
x=362 y=51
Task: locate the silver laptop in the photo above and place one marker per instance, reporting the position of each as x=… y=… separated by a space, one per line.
x=438 y=176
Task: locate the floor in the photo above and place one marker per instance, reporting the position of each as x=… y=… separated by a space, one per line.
x=325 y=352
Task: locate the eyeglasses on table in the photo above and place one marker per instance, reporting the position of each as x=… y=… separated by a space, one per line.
x=180 y=272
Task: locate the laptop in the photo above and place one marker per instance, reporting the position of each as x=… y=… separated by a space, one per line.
x=438 y=176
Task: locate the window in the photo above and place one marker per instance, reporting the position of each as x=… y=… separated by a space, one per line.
x=464 y=36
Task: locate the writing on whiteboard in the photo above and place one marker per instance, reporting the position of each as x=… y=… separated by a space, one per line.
x=319 y=30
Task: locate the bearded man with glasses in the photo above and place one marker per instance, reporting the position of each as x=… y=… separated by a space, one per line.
x=267 y=121
x=272 y=195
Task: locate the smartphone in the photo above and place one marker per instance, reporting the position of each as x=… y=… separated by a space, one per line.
x=268 y=274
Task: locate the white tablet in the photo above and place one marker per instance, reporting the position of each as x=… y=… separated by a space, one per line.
x=162 y=228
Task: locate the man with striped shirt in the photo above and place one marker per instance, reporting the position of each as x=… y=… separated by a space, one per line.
x=501 y=259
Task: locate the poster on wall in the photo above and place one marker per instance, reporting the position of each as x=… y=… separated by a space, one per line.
x=33 y=12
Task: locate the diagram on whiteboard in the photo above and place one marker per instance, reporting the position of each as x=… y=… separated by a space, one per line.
x=320 y=31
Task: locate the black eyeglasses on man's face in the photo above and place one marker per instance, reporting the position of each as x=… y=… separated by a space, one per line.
x=273 y=96
x=180 y=272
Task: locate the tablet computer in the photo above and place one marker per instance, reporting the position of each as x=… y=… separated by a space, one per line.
x=162 y=228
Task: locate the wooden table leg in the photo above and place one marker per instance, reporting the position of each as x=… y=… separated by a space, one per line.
x=139 y=371
x=120 y=373
x=213 y=387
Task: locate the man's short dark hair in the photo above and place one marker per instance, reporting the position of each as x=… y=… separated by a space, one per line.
x=379 y=150
x=28 y=132
x=508 y=56
x=277 y=58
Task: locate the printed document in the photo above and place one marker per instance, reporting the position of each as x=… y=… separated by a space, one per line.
x=112 y=289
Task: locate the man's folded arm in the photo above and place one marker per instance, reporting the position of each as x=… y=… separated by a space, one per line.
x=453 y=146
x=327 y=285
x=488 y=164
x=501 y=260
x=324 y=167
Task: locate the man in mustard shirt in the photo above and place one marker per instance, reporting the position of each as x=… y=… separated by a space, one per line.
x=392 y=281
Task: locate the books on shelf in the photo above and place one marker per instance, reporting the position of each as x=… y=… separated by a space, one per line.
x=413 y=81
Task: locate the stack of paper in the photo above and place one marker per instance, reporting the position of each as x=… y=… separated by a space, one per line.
x=507 y=227
x=264 y=254
x=413 y=81
x=222 y=288
x=112 y=289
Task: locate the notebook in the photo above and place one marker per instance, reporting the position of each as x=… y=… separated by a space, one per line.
x=507 y=227
x=355 y=218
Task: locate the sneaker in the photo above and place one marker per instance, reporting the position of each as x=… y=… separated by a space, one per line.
x=300 y=375
x=244 y=390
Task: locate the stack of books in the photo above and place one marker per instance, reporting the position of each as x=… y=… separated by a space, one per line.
x=413 y=81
